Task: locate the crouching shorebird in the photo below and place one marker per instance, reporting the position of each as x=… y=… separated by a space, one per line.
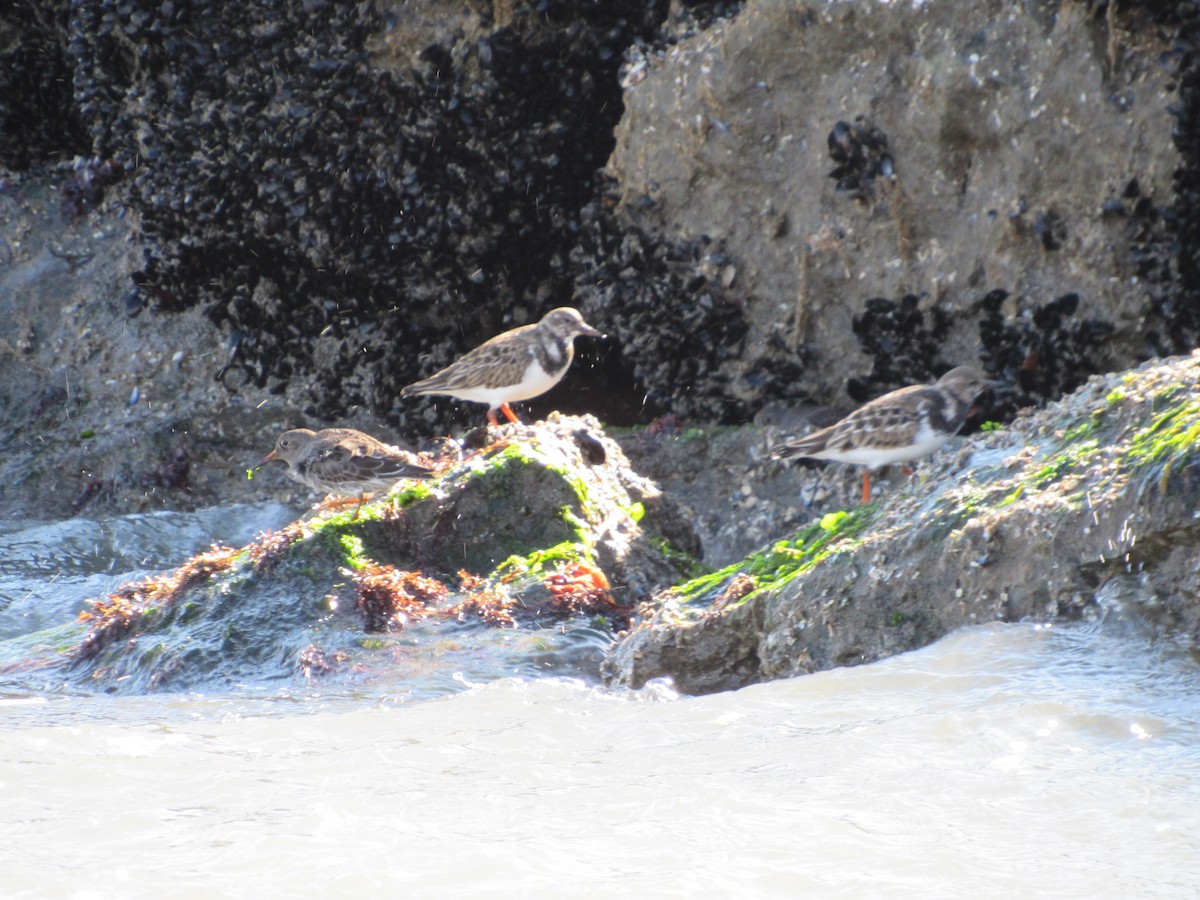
x=343 y=461
x=516 y=365
x=899 y=427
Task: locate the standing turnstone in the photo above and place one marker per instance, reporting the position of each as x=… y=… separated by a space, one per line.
x=898 y=427
x=343 y=461
x=516 y=365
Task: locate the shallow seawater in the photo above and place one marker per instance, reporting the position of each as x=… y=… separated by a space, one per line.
x=1005 y=760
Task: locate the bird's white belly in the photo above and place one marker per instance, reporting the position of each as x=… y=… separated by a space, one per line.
x=533 y=382
x=927 y=441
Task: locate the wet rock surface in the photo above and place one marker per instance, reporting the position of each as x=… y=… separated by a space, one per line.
x=530 y=535
x=330 y=181
x=218 y=222
x=304 y=208
x=901 y=187
x=1085 y=508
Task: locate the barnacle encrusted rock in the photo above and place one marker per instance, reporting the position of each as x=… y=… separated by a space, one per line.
x=545 y=530
x=320 y=203
x=1088 y=506
x=901 y=185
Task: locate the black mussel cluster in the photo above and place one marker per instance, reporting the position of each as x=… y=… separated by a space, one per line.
x=1050 y=229
x=903 y=341
x=1151 y=229
x=89 y=181
x=679 y=331
x=353 y=226
x=1174 y=239
x=1036 y=352
x=1165 y=235
x=1040 y=352
x=359 y=227
x=38 y=119
x=860 y=150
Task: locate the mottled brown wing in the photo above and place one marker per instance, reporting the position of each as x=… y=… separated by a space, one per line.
x=356 y=459
x=805 y=446
x=891 y=428
x=389 y=468
x=890 y=420
x=891 y=424
x=496 y=363
x=356 y=443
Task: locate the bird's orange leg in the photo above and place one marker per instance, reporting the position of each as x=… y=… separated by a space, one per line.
x=332 y=502
x=509 y=414
x=492 y=420
x=866 y=497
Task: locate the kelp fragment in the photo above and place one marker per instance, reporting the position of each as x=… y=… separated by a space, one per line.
x=389 y=597
x=114 y=617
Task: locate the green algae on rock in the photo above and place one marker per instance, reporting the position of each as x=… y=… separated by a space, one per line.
x=1085 y=504
x=523 y=534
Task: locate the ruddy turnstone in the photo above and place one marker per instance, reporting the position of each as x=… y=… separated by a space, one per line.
x=516 y=365
x=898 y=427
x=343 y=461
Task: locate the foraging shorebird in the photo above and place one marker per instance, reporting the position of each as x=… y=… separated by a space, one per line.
x=343 y=461
x=516 y=365
x=901 y=426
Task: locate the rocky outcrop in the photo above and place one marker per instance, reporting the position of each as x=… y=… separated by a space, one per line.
x=1088 y=504
x=255 y=232
x=902 y=186
x=545 y=533
x=326 y=183
x=277 y=209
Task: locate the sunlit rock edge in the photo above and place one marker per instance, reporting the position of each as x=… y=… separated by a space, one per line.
x=1086 y=507
x=545 y=531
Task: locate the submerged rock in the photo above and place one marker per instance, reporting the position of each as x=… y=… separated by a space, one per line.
x=546 y=531
x=1086 y=505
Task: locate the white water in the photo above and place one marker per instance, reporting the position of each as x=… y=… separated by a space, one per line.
x=1003 y=761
